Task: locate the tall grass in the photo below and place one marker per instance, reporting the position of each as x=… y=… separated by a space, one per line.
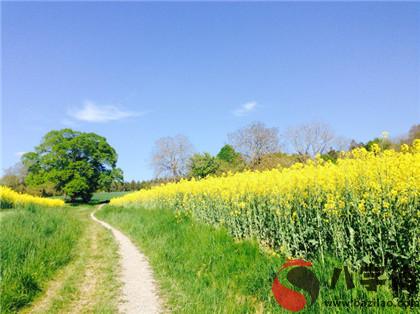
x=35 y=242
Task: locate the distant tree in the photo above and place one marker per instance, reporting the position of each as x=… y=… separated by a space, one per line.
x=413 y=133
x=14 y=177
x=383 y=142
x=331 y=155
x=229 y=160
x=133 y=185
x=202 y=165
x=254 y=141
x=74 y=163
x=311 y=138
x=171 y=155
x=340 y=143
x=228 y=153
x=354 y=144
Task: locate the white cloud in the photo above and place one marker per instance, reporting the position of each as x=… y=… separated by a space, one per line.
x=245 y=109
x=105 y=113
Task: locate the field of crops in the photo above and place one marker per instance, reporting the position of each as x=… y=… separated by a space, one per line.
x=362 y=209
x=10 y=199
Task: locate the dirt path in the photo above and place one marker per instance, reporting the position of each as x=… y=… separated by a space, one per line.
x=139 y=288
x=89 y=283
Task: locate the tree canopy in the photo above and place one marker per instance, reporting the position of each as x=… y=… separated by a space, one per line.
x=202 y=165
x=75 y=163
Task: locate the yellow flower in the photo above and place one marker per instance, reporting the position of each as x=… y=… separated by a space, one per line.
x=405 y=148
x=361 y=206
x=375 y=148
x=10 y=198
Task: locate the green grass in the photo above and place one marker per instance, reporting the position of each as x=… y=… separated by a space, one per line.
x=35 y=242
x=89 y=283
x=201 y=269
x=100 y=197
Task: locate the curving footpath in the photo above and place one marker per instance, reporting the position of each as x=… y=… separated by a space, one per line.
x=139 y=288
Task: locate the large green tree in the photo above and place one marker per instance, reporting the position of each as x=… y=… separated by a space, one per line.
x=76 y=163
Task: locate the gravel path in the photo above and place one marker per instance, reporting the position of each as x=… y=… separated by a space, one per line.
x=139 y=288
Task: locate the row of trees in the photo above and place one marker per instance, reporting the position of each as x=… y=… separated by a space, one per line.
x=133 y=185
x=258 y=147
x=76 y=164
x=253 y=147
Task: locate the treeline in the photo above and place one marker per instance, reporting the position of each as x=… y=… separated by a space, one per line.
x=257 y=147
x=134 y=185
x=254 y=147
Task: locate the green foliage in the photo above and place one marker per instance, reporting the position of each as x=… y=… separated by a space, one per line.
x=133 y=185
x=382 y=142
x=75 y=163
x=230 y=160
x=34 y=244
x=331 y=155
x=229 y=154
x=102 y=197
x=202 y=165
x=227 y=160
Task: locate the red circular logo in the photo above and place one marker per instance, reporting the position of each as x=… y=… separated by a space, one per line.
x=299 y=276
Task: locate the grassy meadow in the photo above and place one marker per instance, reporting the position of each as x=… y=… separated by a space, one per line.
x=53 y=258
x=97 y=197
x=89 y=282
x=35 y=242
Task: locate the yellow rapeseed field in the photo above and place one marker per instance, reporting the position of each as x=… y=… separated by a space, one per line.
x=10 y=199
x=364 y=208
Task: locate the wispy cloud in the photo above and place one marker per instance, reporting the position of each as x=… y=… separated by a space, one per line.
x=245 y=109
x=91 y=112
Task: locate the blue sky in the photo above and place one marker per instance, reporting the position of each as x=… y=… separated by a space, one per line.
x=134 y=72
